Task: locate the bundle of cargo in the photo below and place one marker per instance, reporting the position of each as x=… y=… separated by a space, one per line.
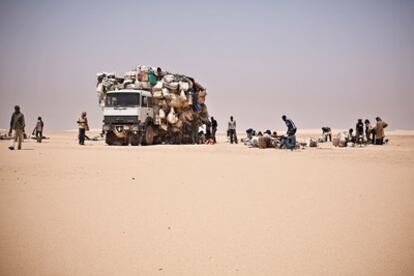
x=177 y=102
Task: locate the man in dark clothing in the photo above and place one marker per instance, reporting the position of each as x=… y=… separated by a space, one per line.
x=359 y=132
x=38 y=130
x=327 y=134
x=17 y=124
x=160 y=74
x=213 y=129
x=290 y=125
x=194 y=131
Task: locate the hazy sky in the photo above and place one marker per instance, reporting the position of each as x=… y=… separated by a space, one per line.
x=319 y=62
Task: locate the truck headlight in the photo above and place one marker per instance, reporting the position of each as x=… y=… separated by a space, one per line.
x=106 y=127
x=134 y=128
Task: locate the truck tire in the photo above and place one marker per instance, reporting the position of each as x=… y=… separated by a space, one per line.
x=110 y=138
x=135 y=139
x=148 y=137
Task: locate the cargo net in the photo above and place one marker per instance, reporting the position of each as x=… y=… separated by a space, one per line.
x=178 y=100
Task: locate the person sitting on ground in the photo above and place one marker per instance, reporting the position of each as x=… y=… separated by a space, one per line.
x=379 y=131
x=351 y=137
x=288 y=142
x=342 y=138
x=262 y=140
x=275 y=140
x=268 y=138
x=249 y=134
x=253 y=142
x=201 y=137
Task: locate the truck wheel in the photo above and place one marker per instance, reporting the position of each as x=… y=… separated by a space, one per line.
x=148 y=138
x=135 y=139
x=110 y=138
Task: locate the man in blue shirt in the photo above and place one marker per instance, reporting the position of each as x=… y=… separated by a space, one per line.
x=290 y=125
x=290 y=141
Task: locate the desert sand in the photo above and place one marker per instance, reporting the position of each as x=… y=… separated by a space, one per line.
x=206 y=210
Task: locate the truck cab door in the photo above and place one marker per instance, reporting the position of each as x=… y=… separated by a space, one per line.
x=144 y=113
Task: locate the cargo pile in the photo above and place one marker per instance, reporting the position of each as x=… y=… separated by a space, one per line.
x=178 y=100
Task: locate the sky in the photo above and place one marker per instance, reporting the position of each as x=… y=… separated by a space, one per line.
x=322 y=63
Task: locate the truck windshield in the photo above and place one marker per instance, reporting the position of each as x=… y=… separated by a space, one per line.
x=122 y=99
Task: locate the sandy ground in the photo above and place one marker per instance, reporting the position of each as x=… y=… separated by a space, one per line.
x=206 y=210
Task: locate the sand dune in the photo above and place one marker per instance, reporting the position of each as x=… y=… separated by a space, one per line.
x=206 y=210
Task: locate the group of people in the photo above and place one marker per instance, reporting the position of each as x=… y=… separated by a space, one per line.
x=18 y=125
x=17 y=128
x=209 y=136
x=364 y=133
x=270 y=139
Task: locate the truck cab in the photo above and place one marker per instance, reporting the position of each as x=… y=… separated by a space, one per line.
x=128 y=117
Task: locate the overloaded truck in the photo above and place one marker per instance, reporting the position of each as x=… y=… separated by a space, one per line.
x=129 y=118
x=148 y=105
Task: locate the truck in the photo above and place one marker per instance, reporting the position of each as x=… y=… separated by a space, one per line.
x=129 y=118
x=149 y=106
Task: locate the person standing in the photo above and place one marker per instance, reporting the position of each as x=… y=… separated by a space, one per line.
x=379 y=131
x=368 y=131
x=17 y=124
x=38 y=130
x=290 y=125
x=232 y=130
x=327 y=134
x=208 y=130
x=83 y=127
x=359 y=128
x=194 y=132
x=213 y=129
x=290 y=141
x=359 y=132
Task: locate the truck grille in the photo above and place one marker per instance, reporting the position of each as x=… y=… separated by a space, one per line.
x=120 y=119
